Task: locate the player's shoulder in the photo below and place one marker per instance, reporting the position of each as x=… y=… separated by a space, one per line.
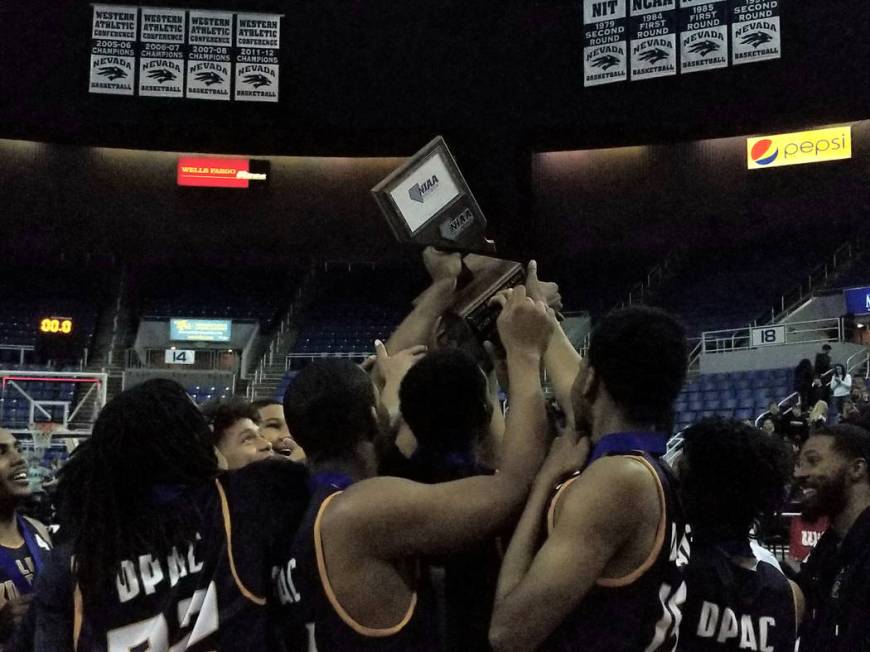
x=266 y=479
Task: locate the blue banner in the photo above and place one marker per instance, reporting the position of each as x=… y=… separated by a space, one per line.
x=200 y=330
x=858 y=300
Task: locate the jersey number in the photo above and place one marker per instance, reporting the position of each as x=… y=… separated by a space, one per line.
x=198 y=613
x=669 y=625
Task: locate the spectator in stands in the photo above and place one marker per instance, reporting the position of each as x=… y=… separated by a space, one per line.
x=368 y=530
x=822 y=363
x=794 y=424
x=731 y=477
x=23 y=544
x=235 y=431
x=163 y=545
x=768 y=425
x=803 y=380
x=274 y=429
x=841 y=386
x=832 y=472
x=818 y=417
x=617 y=534
x=774 y=414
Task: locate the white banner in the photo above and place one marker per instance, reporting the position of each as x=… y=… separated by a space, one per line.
x=161 y=60
x=652 y=28
x=425 y=192
x=605 y=59
x=703 y=35
x=755 y=31
x=113 y=58
x=208 y=65
x=257 y=69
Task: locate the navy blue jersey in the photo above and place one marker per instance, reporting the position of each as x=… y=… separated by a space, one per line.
x=732 y=607
x=313 y=619
x=642 y=611
x=209 y=594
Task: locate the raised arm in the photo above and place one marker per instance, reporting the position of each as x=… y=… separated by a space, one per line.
x=395 y=518
x=597 y=516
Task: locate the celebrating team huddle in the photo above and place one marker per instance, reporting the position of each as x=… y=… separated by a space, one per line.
x=415 y=515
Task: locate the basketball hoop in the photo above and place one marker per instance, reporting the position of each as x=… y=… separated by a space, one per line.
x=42 y=434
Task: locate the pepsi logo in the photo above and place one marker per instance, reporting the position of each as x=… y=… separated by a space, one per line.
x=764 y=152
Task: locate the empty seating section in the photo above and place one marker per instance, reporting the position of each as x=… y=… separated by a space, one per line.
x=204 y=394
x=740 y=395
x=729 y=288
x=213 y=293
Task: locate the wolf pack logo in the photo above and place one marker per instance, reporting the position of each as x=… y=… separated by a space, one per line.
x=162 y=75
x=764 y=152
x=209 y=78
x=606 y=61
x=112 y=72
x=257 y=80
x=653 y=56
x=756 y=39
x=705 y=47
x=419 y=191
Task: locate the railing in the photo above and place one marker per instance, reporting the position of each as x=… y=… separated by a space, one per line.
x=204 y=359
x=803 y=332
x=21 y=348
x=859 y=362
x=817 y=278
x=654 y=277
x=352 y=355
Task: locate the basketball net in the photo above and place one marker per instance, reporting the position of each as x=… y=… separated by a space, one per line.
x=42 y=434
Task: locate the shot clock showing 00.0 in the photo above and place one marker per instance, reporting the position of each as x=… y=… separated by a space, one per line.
x=56 y=325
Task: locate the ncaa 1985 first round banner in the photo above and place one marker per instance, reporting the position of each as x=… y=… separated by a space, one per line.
x=755 y=31
x=703 y=35
x=652 y=28
x=604 y=42
x=113 y=54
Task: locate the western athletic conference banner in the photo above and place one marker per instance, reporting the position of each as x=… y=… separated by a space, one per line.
x=210 y=38
x=604 y=42
x=652 y=28
x=703 y=35
x=113 y=55
x=161 y=57
x=755 y=31
x=258 y=38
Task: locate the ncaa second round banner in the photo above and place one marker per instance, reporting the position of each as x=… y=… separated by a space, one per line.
x=652 y=27
x=755 y=31
x=604 y=42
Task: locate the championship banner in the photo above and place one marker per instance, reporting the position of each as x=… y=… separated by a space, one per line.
x=258 y=38
x=605 y=57
x=113 y=56
x=161 y=56
x=652 y=28
x=210 y=38
x=755 y=31
x=703 y=35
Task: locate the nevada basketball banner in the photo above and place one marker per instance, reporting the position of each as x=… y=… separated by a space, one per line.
x=258 y=37
x=604 y=42
x=816 y=146
x=113 y=55
x=755 y=31
x=161 y=59
x=703 y=35
x=208 y=63
x=652 y=30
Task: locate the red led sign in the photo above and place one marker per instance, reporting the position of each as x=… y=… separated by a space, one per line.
x=213 y=172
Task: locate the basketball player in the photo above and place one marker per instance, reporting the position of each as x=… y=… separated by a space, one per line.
x=609 y=575
x=274 y=429
x=236 y=432
x=24 y=543
x=349 y=581
x=158 y=553
x=731 y=475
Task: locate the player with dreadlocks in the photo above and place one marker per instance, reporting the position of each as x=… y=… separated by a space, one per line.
x=160 y=549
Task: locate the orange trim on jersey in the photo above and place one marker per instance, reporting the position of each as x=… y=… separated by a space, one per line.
x=228 y=528
x=551 y=512
x=333 y=599
x=78 y=615
x=614 y=582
